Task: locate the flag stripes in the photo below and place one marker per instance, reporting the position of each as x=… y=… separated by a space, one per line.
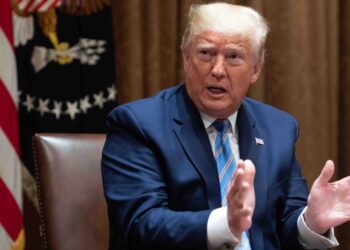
x=11 y=176
x=6 y=20
x=8 y=73
x=10 y=214
x=29 y=6
x=5 y=239
x=11 y=224
x=8 y=117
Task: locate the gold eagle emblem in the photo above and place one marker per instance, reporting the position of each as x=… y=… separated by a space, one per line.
x=46 y=11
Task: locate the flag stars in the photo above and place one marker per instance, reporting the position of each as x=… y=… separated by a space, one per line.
x=85 y=104
x=43 y=106
x=99 y=99
x=29 y=103
x=72 y=109
x=112 y=92
x=57 y=109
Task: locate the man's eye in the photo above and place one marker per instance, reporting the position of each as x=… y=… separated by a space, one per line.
x=205 y=54
x=234 y=58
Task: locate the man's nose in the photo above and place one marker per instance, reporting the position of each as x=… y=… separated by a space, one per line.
x=218 y=69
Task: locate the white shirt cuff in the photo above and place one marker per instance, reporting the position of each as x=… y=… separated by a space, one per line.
x=218 y=231
x=311 y=240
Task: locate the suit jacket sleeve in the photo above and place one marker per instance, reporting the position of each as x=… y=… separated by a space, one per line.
x=136 y=192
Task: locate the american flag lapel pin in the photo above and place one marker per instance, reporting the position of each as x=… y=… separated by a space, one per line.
x=259 y=141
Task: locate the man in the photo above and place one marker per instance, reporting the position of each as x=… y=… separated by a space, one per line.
x=166 y=159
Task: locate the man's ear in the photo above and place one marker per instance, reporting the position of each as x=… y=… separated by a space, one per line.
x=185 y=59
x=256 y=72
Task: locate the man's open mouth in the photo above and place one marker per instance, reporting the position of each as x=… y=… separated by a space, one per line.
x=216 y=89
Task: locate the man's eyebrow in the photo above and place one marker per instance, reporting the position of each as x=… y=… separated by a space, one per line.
x=205 y=44
x=234 y=46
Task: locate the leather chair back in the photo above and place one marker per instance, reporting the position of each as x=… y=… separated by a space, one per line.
x=73 y=210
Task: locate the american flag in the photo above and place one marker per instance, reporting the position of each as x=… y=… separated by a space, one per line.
x=30 y=6
x=259 y=141
x=11 y=224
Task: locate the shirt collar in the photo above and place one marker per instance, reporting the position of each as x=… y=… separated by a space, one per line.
x=208 y=120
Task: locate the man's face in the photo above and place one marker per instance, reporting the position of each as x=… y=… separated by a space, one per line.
x=219 y=71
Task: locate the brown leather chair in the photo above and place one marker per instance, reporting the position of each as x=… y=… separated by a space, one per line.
x=72 y=206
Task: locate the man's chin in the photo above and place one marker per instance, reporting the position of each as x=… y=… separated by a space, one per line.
x=219 y=112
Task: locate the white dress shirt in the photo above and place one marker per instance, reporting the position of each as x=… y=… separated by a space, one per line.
x=219 y=234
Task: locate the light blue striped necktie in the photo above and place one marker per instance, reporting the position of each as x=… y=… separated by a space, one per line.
x=226 y=165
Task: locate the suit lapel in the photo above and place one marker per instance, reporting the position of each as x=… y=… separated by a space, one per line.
x=251 y=148
x=190 y=131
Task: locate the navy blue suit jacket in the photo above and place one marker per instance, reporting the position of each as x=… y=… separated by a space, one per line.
x=161 y=183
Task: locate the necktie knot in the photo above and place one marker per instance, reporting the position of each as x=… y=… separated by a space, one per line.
x=221 y=125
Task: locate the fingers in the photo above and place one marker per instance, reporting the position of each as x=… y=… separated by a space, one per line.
x=240 y=209
x=241 y=197
x=245 y=172
x=250 y=171
x=326 y=173
x=241 y=191
x=247 y=166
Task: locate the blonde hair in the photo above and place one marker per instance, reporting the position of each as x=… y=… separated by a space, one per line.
x=232 y=20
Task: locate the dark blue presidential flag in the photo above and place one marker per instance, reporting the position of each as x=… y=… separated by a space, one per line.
x=65 y=73
x=66 y=76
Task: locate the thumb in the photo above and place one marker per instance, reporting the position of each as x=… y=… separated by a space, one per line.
x=250 y=171
x=326 y=174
